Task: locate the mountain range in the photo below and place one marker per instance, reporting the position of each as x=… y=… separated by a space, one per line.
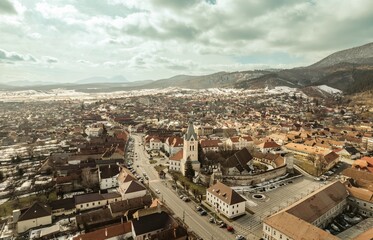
x=349 y=70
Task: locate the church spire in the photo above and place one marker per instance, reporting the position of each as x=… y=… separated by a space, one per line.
x=190 y=133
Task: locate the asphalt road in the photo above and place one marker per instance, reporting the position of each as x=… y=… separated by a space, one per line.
x=199 y=224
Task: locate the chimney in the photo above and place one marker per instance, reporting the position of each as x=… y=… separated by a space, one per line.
x=174 y=232
x=105 y=232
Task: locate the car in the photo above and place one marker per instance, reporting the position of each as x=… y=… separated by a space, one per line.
x=230 y=229
x=199 y=208
x=157 y=191
x=146 y=178
x=212 y=220
x=203 y=213
x=181 y=196
x=186 y=199
x=223 y=225
x=240 y=237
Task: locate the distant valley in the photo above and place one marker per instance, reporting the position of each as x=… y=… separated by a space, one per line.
x=350 y=71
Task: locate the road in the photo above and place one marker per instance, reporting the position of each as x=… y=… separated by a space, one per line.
x=198 y=224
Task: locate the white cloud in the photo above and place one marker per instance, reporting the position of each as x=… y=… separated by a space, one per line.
x=158 y=38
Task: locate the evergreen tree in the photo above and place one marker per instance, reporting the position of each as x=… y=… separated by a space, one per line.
x=189 y=171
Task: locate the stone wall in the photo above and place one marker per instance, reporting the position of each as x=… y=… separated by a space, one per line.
x=236 y=180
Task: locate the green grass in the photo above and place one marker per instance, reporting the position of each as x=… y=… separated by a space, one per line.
x=7 y=208
x=182 y=179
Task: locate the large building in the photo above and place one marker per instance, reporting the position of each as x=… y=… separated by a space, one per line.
x=304 y=219
x=225 y=200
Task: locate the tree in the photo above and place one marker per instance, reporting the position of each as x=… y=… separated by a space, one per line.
x=88 y=178
x=175 y=177
x=189 y=171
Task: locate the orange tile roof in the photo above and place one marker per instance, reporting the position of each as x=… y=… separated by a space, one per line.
x=177 y=156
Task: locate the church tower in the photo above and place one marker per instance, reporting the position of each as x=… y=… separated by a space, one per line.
x=190 y=149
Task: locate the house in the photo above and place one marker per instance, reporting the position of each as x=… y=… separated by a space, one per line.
x=36 y=215
x=355 y=154
x=131 y=189
x=362 y=198
x=95 y=200
x=239 y=163
x=155 y=143
x=117 y=231
x=268 y=146
x=211 y=145
x=94 y=219
x=173 y=145
x=108 y=176
x=158 y=225
x=364 y=164
x=329 y=160
x=304 y=150
x=129 y=206
x=63 y=207
x=344 y=156
x=175 y=161
x=225 y=200
x=238 y=142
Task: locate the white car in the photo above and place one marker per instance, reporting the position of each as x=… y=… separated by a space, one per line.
x=157 y=191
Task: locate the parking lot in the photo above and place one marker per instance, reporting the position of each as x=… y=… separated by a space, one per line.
x=275 y=200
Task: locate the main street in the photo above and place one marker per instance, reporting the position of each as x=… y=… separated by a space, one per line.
x=196 y=223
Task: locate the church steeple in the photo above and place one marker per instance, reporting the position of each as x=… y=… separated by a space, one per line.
x=190 y=133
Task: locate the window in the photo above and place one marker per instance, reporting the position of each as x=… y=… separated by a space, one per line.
x=87 y=204
x=280 y=236
x=81 y=205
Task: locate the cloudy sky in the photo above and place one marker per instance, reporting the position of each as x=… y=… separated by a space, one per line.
x=68 y=40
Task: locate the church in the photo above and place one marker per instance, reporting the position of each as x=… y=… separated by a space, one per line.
x=189 y=152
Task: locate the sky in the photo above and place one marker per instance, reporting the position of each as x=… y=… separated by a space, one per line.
x=68 y=40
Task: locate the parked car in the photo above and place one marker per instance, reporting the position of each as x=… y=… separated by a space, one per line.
x=199 y=208
x=352 y=220
x=157 y=191
x=240 y=237
x=186 y=199
x=203 y=213
x=230 y=229
x=212 y=220
x=335 y=227
x=223 y=225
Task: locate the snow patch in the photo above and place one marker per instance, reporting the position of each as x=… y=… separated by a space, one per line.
x=328 y=89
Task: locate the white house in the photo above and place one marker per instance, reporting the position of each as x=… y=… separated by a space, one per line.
x=225 y=200
x=155 y=143
x=37 y=215
x=95 y=200
x=108 y=176
x=132 y=189
x=175 y=160
x=238 y=143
